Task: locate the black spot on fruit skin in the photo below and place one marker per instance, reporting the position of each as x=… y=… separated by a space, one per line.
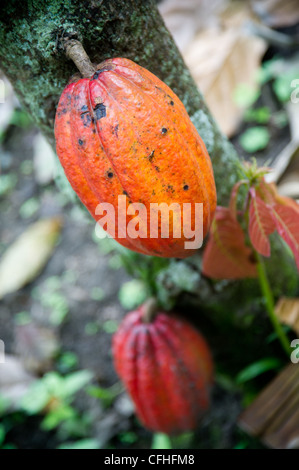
x=100 y=111
x=125 y=193
x=186 y=187
x=86 y=118
x=163 y=130
x=80 y=142
x=151 y=156
x=107 y=68
x=171 y=103
x=110 y=174
x=115 y=130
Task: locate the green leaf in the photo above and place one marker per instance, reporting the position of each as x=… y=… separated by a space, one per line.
x=67 y=361
x=29 y=208
x=282 y=85
x=254 y=139
x=132 y=294
x=2 y=434
x=4 y=404
x=23 y=318
x=75 y=382
x=83 y=444
x=258 y=368
x=245 y=95
x=36 y=398
x=128 y=437
x=259 y=115
x=110 y=326
x=161 y=441
x=106 y=395
x=21 y=119
x=57 y=416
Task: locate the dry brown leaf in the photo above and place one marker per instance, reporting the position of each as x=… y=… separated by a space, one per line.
x=26 y=257
x=219 y=55
x=286 y=164
x=185 y=19
x=43 y=160
x=37 y=346
x=14 y=380
x=220 y=61
x=287 y=310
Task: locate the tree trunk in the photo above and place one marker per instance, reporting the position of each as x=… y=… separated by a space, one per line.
x=32 y=57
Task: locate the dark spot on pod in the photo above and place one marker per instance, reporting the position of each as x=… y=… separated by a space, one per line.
x=170 y=187
x=157 y=168
x=96 y=75
x=64 y=111
x=125 y=193
x=154 y=192
x=107 y=68
x=171 y=103
x=110 y=174
x=80 y=142
x=186 y=187
x=163 y=130
x=86 y=118
x=115 y=130
x=151 y=156
x=100 y=111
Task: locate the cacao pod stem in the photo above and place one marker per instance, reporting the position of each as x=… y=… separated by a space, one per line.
x=150 y=308
x=76 y=52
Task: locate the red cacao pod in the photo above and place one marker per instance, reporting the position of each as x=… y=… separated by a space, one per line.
x=167 y=369
x=124 y=132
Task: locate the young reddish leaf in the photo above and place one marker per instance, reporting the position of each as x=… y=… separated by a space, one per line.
x=267 y=192
x=287 y=201
x=233 y=197
x=261 y=224
x=226 y=256
x=286 y=219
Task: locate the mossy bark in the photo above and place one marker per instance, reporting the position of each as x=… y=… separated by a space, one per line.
x=32 y=57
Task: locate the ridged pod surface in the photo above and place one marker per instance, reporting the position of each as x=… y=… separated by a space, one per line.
x=167 y=369
x=123 y=132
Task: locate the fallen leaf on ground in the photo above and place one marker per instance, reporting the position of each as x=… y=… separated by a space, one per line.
x=26 y=257
x=185 y=19
x=14 y=380
x=218 y=70
x=287 y=310
x=37 y=346
x=43 y=160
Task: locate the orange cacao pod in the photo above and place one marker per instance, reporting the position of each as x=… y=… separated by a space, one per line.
x=123 y=132
x=167 y=369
